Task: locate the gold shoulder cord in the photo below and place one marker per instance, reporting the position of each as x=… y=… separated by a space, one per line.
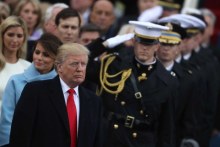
x=125 y=74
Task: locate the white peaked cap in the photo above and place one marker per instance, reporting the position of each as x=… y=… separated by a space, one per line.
x=148 y=29
x=196 y=21
x=186 y=21
x=177 y=18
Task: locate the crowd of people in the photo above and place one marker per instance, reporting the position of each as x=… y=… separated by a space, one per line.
x=87 y=75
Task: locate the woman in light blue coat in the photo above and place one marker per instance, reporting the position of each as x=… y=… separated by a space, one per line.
x=42 y=68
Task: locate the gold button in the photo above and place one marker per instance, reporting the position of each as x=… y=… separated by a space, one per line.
x=143 y=74
x=115 y=126
x=141 y=112
x=123 y=103
x=134 y=135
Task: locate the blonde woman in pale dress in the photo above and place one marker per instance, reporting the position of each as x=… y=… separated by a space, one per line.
x=13 y=42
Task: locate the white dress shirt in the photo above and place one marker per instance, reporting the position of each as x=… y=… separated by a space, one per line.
x=65 y=89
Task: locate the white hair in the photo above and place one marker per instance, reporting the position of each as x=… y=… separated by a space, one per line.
x=48 y=12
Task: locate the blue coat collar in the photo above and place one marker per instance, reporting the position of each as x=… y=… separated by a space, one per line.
x=31 y=74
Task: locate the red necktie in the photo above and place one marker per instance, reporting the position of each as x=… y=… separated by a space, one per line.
x=72 y=115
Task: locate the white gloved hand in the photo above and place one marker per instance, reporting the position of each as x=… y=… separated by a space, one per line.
x=151 y=14
x=189 y=143
x=114 y=41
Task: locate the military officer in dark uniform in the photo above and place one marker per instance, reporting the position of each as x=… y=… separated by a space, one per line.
x=192 y=26
x=186 y=103
x=208 y=64
x=137 y=93
x=205 y=65
x=201 y=62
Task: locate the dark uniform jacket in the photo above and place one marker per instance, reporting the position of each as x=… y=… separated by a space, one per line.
x=209 y=67
x=187 y=104
x=204 y=66
x=132 y=121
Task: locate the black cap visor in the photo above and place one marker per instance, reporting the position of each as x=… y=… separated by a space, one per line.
x=146 y=41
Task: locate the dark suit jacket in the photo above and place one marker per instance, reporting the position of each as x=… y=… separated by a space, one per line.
x=41 y=120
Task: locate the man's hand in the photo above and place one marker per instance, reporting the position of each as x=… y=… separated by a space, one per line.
x=114 y=41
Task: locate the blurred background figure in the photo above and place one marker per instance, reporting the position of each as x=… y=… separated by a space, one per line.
x=68 y=24
x=30 y=12
x=83 y=7
x=50 y=15
x=55 y=1
x=44 y=6
x=102 y=15
x=146 y=4
x=170 y=7
x=42 y=68
x=5 y=11
x=13 y=45
x=89 y=33
x=210 y=19
x=12 y=4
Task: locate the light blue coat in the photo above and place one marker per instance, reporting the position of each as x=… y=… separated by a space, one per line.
x=12 y=94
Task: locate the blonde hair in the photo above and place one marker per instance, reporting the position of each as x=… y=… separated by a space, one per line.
x=12 y=21
x=36 y=5
x=5 y=8
x=70 y=49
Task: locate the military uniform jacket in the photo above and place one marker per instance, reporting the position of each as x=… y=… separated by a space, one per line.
x=188 y=104
x=209 y=65
x=156 y=108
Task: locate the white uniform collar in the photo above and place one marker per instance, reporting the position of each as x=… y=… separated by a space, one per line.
x=187 y=56
x=153 y=62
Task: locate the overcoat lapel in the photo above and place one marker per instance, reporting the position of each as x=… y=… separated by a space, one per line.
x=84 y=108
x=57 y=98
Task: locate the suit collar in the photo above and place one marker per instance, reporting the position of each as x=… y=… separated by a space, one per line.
x=84 y=101
x=65 y=87
x=57 y=98
x=85 y=105
x=162 y=73
x=178 y=70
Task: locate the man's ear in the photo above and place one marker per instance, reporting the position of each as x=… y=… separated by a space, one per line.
x=157 y=46
x=59 y=68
